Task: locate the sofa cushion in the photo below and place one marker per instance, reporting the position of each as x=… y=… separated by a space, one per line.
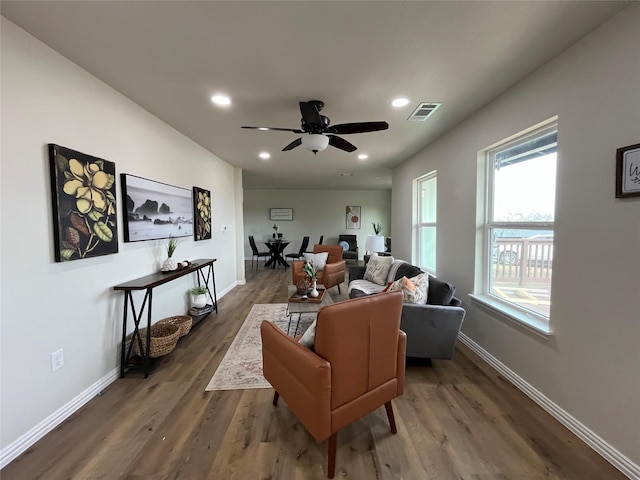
x=406 y=270
x=364 y=286
x=440 y=293
x=378 y=269
x=318 y=259
x=414 y=290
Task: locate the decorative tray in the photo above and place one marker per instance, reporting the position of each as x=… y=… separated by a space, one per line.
x=295 y=298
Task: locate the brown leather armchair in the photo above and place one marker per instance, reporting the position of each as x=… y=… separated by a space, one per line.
x=333 y=273
x=358 y=365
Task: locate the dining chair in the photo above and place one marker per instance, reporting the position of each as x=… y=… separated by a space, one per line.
x=297 y=255
x=255 y=252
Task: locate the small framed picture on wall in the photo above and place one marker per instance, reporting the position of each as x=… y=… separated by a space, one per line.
x=354 y=217
x=628 y=171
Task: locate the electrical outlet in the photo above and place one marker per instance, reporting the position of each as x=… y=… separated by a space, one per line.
x=57 y=360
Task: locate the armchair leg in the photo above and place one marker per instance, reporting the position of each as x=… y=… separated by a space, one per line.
x=333 y=444
x=276 y=396
x=392 y=421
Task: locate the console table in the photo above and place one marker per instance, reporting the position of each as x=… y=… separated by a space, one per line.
x=148 y=283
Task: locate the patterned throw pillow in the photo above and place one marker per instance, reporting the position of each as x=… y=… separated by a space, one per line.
x=414 y=290
x=378 y=269
x=318 y=259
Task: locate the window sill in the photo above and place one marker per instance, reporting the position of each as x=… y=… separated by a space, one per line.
x=524 y=320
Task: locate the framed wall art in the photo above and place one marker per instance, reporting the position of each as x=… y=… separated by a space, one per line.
x=628 y=171
x=202 y=213
x=84 y=204
x=354 y=217
x=281 y=214
x=155 y=210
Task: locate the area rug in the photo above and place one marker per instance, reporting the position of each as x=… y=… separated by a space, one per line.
x=241 y=367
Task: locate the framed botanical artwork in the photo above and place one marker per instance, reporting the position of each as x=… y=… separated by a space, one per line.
x=202 y=213
x=354 y=218
x=628 y=171
x=281 y=214
x=155 y=210
x=84 y=204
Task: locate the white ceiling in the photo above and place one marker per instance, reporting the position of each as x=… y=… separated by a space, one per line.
x=170 y=57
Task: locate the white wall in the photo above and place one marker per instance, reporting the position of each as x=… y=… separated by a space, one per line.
x=590 y=367
x=46 y=305
x=315 y=213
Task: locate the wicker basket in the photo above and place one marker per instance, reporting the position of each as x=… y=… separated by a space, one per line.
x=182 y=321
x=164 y=337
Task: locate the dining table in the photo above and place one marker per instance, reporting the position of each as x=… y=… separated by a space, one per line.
x=276 y=247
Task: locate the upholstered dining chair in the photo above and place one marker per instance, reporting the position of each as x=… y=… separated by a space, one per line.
x=303 y=248
x=358 y=365
x=255 y=252
x=333 y=273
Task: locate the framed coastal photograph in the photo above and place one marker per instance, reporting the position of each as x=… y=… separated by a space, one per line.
x=83 y=200
x=354 y=217
x=628 y=171
x=202 y=213
x=155 y=210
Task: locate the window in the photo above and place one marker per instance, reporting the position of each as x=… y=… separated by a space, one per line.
x=519 y=225
x=426 y=192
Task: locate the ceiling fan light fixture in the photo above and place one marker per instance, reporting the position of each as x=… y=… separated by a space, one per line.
x=315 y=142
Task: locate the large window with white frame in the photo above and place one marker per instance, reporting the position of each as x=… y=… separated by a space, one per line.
x=519 y=225
x=426 y=193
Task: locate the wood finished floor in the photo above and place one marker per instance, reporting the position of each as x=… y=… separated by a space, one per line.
x=458 y=419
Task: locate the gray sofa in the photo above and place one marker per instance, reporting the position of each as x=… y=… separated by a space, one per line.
x=432 y=329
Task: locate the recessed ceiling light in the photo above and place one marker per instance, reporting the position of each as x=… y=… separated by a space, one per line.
x=363 y=156
x=264 y=129
x=265 y=155
x=400 y=102
x=220 y=99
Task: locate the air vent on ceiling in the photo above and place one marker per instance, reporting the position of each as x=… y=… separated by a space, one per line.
x=423 y=111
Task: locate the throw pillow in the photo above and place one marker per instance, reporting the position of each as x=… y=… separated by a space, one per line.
x=378 y=269
x=414 y=290
x=308 y=338
x=317 y=259
x=440 y=293
x=344 y=245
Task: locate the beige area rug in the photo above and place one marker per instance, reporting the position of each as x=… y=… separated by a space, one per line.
x=241 y=367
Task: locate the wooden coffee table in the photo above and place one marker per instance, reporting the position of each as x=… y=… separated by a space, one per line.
x=304 y=307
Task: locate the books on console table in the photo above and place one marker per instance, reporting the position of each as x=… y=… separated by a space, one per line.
x=197 y=312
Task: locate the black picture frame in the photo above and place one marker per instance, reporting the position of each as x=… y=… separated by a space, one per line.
x=83 y=200
x=281 y=214
x=155 y=210
x=201 y=214
x=628 y=171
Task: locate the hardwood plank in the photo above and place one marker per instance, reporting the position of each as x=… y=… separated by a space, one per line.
x=458 y=419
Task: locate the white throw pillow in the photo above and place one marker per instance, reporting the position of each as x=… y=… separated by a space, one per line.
x=378 y=269
x=317 y=259
x=308 y=339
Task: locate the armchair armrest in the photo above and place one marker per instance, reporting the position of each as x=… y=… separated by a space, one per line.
x=302 y=378
x=335 y=267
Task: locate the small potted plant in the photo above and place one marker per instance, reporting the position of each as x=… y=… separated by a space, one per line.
x=170 y=264
x=199 y=296
x=312 y=272
x=377 y=227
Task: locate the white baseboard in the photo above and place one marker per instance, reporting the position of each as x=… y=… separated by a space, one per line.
x=613 y=456
x=14 y=449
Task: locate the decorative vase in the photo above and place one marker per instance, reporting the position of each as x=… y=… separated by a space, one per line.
x=169 y=264
x=199 y=301
x=314 y=291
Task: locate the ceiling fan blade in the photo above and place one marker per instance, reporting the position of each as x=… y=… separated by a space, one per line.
x=294 y=130
x=341 y=143
x=311 y=113
x=296 y=143
x=357 y=127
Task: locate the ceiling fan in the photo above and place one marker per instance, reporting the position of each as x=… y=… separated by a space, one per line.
x=319 y=132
